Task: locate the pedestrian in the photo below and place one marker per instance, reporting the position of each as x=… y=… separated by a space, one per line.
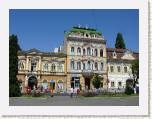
x=78 y=92
x=48 y=91
x=75 y=92
x=52 y=94
x=71 y=92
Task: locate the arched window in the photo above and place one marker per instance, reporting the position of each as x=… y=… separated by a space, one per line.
x=72 y=64
x=60 y=68
x=96 y=52
x=101 y=66
x=84 y=66
x=89 y=65
x=72 y=50
x=79 y=51
x=92 y=52
x=92 y=66
x=84 y=53
x=96 y=66
x=88 y=51
x=46 y=67
x=78 y=65
x=101 y=53
x=20 y=65
x=53 y=67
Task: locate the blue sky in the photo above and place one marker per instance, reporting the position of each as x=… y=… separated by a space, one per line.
x=44 y=29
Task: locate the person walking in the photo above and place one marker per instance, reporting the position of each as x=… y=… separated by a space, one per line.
x=78 y=92
x=71 y=92
x=75 y=92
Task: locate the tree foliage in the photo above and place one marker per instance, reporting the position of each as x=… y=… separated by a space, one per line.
x=135 y=71
x=120 y=42
x=14 y=89
x=97 y=81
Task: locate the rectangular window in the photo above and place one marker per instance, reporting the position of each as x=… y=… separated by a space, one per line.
x=112 y=84
x=111 y=68
x=101 y=66
x=78 y=65
x=83 y=66
x=119 y=84
x=101 y=84
x=125 y=69
x=33 y=66
x=72 y=65
x=118 y=68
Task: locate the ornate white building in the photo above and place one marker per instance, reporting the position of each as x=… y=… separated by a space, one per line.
x=119 y=67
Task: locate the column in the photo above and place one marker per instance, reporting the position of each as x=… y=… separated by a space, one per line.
x=39 y=64
x=27 y=62
x=82 y=82
x=26 y=81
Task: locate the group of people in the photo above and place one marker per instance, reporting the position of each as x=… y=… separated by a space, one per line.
x=74 y=92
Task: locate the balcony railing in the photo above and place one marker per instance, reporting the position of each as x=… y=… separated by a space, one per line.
x=52 y=73
x=41 y=72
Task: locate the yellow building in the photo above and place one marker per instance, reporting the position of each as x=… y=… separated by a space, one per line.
x=39 y=69
x=86 y=55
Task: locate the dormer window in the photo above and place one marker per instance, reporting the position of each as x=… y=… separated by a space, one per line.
x=87 y=35
x=114 y=55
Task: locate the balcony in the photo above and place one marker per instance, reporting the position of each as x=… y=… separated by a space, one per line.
x=87 y=73
x=52 y=73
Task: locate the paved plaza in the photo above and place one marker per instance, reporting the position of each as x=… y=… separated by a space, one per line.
x=80 y=101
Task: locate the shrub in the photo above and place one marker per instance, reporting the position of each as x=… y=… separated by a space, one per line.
x=129 y=90
x=14 y=91
x=97 y=81
x=89 y=94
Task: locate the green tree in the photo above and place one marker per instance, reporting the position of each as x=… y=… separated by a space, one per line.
x=14 y=88
x=97 y=81
x=120 y=42
x=135 y=71
x=129 y=87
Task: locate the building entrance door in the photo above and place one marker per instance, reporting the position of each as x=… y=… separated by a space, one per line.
x=87 y=83
x=32 y=82
x=75 y=82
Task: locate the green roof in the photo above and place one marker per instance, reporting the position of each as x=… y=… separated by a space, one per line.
x=90 y=31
